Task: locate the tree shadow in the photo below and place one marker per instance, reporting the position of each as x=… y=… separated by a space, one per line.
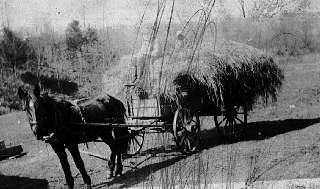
x=258 y=130
x=57 y=85
x=16 y=182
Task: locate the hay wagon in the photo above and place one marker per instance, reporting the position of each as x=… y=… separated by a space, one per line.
x=181 y=117
x=224 y=87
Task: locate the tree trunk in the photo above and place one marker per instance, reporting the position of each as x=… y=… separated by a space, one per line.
x=243 y=11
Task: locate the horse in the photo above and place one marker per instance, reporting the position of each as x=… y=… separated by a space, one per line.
x=52 y=119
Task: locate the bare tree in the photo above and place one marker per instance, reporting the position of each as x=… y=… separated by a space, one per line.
x=268 y=9
x=242 y=8
x=271 y=8
x=5 y=14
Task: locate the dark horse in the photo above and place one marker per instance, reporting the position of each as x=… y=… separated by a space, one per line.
x=51 y=119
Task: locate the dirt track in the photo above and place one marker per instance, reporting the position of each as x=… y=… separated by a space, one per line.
x=282 y=143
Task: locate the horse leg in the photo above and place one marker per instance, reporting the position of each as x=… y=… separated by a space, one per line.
x=108 y=139
x=62 y=155
x=119 y=165
x=74 y=150
x=122 y=142
x=111 y=163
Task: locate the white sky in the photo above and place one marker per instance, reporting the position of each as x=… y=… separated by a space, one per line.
x=32 y=14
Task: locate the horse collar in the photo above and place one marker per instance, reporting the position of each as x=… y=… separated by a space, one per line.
x=75 y=103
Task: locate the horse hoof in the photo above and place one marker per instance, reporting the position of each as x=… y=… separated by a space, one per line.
x=70 y=186
x=118 y=174
x=110 y=176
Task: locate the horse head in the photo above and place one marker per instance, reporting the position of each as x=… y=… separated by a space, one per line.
x=37 y=111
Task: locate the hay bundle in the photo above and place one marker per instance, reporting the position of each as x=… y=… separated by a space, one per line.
x=237 y=74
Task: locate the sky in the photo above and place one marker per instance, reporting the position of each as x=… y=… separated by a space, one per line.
x=32 y=14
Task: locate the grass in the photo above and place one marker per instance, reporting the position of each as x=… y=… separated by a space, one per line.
x=9 y=83
x=60 y=72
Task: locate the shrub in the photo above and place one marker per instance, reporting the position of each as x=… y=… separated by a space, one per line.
x=90 y=36
x=74 y=38
x=14 y=50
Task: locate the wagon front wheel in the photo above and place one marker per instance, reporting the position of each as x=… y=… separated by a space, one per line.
x=186 y=131
x=231 y=123
x=136 y=141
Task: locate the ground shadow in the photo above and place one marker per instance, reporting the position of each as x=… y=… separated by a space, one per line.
x=136 y=176
x=16 y=182
x=210 y=138
x=258 y=130
x=165 y=156
x=168 y=149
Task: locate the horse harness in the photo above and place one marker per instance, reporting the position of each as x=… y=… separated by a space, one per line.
x=81 y=113
x=52 y=136
x=79 y=109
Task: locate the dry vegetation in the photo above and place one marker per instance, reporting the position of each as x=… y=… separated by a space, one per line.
x=290 y=39
x=292 y=35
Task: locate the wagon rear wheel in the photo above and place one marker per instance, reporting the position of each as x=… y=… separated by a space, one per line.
x=231 y=122
x=186 y=131
x=136 y=141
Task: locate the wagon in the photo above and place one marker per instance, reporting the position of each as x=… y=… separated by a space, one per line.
x=181 y=117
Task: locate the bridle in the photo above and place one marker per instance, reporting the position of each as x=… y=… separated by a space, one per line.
x=32 y=116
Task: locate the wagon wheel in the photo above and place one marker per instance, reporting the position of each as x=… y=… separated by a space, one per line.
x=231 y=122
x=136 y=141
x=186 y=131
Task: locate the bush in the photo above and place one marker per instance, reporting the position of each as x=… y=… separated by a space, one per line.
x=74 y=38
x=284 y=35
x=14 y=50
x=90 y=36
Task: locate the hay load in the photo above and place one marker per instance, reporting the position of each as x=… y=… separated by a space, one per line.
x=237 y=74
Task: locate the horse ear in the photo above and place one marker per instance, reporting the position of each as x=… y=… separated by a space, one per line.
x=21 y=93
x=36 y=90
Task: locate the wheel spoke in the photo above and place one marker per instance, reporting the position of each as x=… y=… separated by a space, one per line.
x=234 y=127
x=182 y=140
x=239 y=120
x=194 y=121
x=231 y=126
x=188 y=144
x=137 y=141
x=136 y=138
x=238 y=129
x=222 y=121
x=226 y=127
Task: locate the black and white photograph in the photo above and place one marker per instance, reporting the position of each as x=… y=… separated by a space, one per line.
x=151 y=94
